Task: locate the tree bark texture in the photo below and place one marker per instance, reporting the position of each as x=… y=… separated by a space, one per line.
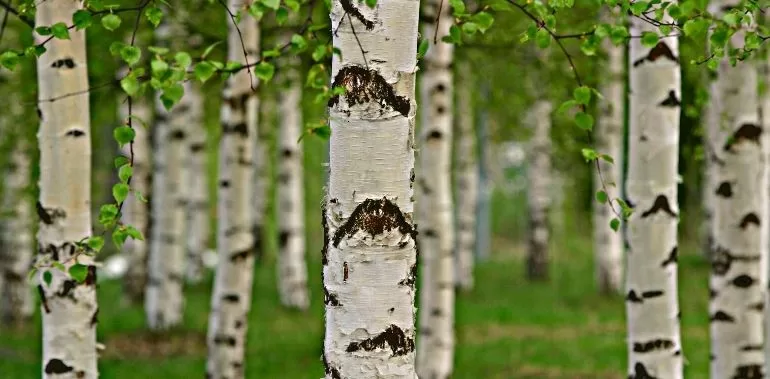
x=197 y=213
x=539 y=199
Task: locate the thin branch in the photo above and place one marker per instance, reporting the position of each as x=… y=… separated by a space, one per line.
x=437 y=22
x=8 y=8
x=243 y=45
x=3 y=25
x=358 y=41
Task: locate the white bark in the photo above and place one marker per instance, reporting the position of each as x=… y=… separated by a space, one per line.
x=197 y=186
x=164 y=298
x=608 y=244
x=292 y=272
x=652 y=308
x=466 y=181
x=369 y=257
x=69 y=307
x=135 y=211
x=539 y=193
x=261 y=174
x=435 y=347
x=739 y=259
x=231 y=299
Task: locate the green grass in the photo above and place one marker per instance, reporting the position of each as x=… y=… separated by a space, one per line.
x=506 y=327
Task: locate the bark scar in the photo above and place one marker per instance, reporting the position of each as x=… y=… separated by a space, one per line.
x=364 y=85
x=374 y=217
x=348 y=7
x=393 y=336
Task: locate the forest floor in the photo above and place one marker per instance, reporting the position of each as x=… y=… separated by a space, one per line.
x=506 y=327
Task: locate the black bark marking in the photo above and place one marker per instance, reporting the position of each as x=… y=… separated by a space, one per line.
x=363 y=86
x=325 y=247
x=283 y=239
x=640 y=372
x=436 y=312
x=66 y=288
x=430 y=233
x=439 y=88
x=440 y=110
x=240 y=256
x=743 y=281
x=652 y=294
x=393 y=336
x=75 y=133
x=411 y=277
x=256 y=231
x=176 y=134
x=434 y=135
x=197 y=147
x=671 y=101
x=330 y=298
x=722 y=259
x=49 y=217
x=237 y=103
x=633 y=297
x=345 y=271
x=749 y=372
x=650 y=346
x=673 y=257
x=223 y=339
x=65 y=62
x=746 y=132
x=347 y=6
x=224 y=183
x=286 y=153
x=721 y=316
x=91 y=276
x=231 y=298
x=725 y=189
x=43 y=300
x=661 y=50
x=750 y=218
x=94 y=318
x=57 y=366
x=240 y=128
x=759 y=307
x=329 y=369
x=712 y=293
x=752 y=347
x=374 y=217
x=660 y=204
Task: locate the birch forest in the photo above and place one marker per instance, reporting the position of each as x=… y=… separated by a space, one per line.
x=385 y=189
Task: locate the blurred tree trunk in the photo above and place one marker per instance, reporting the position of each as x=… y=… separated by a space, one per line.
x=369 y=257
x=652 y=308
x=711 y=118
x=738 y=280
x=164 y=299
x=608 y=244
x=435 y=347
x=539 y=176
x=466 y=179
x=292 y=270
x=231 y=299
x=197 y=239
x=69 y=307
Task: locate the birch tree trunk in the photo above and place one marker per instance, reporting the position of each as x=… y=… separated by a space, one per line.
x=231 y=299
x=261 y=173
x=16 y=245
x=436 y=344
x=652 y=308
x=164 y=298
x=466 y=180
x=197 y=184
x=135 y=212
x=69 y=307
x=292 y=271
x=539 y=177
x=369 y=256
x=608 y=244
x=739 y=259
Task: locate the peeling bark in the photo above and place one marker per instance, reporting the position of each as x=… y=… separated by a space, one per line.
x=436 y=348
x=466 y=181
x=369 y=251
x=292 y=270
x=739 y=254
x=198 y=192
x=231 y=299
x=652 y=308
x=608 y=244
x=64 y=205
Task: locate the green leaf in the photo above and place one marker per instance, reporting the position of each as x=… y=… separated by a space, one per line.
x=130 y=84
x=582 y=95
x=9 y=59
x=47 y=278
x=134 y=233
x=455 y=35
x=60 y=30
x=43 y=30
x=584 y=121
x=119 y=237
x=470 y=28
x=107 y=214
x=371 y=3
x=484 y=20
x=567 y=105
x=203 y=71
x=458 y=7
x=607 y=158
x=183 y=59
x=281 y=16
x=111 y=22
x=158 y=67
x=120 y=192
x=95 y=242
x=138 y=195
x=120 y=161
x=124 y=134
x=615 y=224
x=319 y=52
x=542 y=38
x=171 y=95
x=650 y=39
x=423 y=47
x=79 y=272
x=154 y=15
x=264 y=71
x=209 y=49
x=298 y=43
x=131 y=54
x=125 y=172
x=601 y=196
x=272 y=4
x=323 y=131
x=589 y=154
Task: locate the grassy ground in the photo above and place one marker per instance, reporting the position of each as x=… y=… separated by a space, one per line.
x=506 y=328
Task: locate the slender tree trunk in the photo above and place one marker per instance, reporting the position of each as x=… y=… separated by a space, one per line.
x=436 y=345
x=69 y=307
x=292 y=271
x=711 y=117
x=652 y=307
x=197 y=183
x=164 y=297
x=369 y=256
x=539 y=177
x=466 y=180
x=231 y=299
x=608 y=244
x=16 y=226
x=261 y=171
x=136 y=212
x=739 y=256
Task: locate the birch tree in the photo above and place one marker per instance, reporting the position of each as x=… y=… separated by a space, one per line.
x=466 y=180
x=292 y=271
x=231 y=299
x=654 y=343
x=197 y=186
x=739 y=258
x=608 y=244
x=164 y=298
x=68 y=305
x=539 y=177
x=436 y=344
x=369 y=257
